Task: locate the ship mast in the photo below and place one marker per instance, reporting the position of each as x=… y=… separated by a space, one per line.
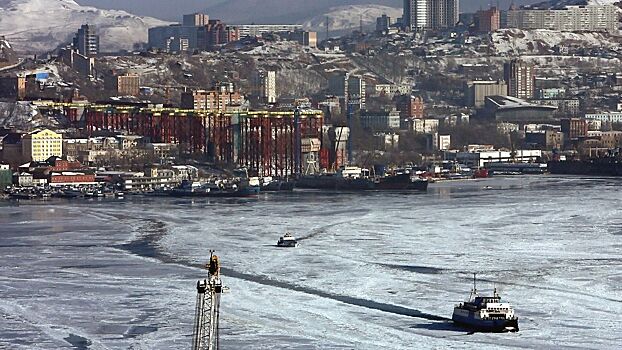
x=474 y=290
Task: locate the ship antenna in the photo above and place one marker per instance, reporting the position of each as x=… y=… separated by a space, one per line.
x=474 y=284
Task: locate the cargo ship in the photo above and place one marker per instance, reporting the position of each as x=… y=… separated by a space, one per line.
x=485 y=314
x=608 y=166
x=269 y=184
x=358 y=179
x=211 y=190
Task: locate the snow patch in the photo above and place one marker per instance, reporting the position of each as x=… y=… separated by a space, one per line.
x=43 y=25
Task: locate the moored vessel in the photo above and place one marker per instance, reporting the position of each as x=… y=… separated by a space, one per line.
x=485 y=314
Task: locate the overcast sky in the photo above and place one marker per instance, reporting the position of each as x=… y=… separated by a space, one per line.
x=173 y=9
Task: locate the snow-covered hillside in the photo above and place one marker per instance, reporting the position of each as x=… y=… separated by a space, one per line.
x=538 y=41
x=7 y=55
x=560 y=3
x=41 y=25
x=343 y=18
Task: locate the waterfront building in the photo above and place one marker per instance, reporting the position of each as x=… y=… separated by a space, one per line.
x=6 y=176
x=41 y=144
x=479 y=158
x=86 y=41
x=580 y=18
x=574 y=128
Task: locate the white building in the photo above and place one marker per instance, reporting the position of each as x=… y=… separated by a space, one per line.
x=425 y=126
x=607 y=117
x=480 y=158
x=415 y=16
x=267 y=86
x=590 y=18
x=258 y=30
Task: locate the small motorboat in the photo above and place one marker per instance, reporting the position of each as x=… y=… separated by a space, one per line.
x=287 y=241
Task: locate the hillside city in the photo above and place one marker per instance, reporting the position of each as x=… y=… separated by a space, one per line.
x=444 y=94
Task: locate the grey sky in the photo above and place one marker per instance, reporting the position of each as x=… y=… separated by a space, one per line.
x=261 y=10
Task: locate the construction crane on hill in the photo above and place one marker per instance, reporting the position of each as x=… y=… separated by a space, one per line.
x=207 y=313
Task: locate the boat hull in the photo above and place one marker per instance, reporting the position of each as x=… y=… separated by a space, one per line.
x=278 y=186
x=401 y=182
x=468 y=320
x=602 y=167
x=248 y=191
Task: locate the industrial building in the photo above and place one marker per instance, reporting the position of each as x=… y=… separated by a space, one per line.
x=477 y=91
x=514 y=110
x=267 y=143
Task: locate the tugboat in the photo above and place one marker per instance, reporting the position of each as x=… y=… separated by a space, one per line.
x=485 y=314
x=287 y=241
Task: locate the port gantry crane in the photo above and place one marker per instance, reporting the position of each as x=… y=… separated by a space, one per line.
x=205 y=334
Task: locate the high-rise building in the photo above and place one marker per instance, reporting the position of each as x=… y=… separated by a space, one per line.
x=520 y=78
x=266 y=84
x=86 y=41
x=430 y=14
x=195 y=20
x=443 y=14
x=13 y=86
x=415 y=15
x=488 y=20
x=351 y=88
x=383 y=23
x=356 y=91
